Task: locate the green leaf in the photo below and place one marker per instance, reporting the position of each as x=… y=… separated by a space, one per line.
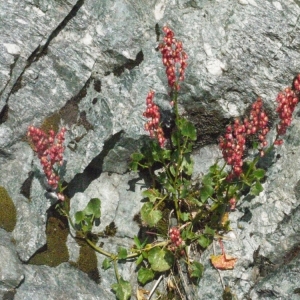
x=209 y=231
x=152 y=194
x=145 y=275
x=79 y=217
x=259 y=173
x=232 y=191
x=85 y=228
x=175 y=138
x=188 y=129
x=133 y=165
x=204 y=241
x=169 y=187
x=156 y=151
x=214 y=168
x=106 y=264
x=139 y=260
x=137 y=156
x=195 y=201
x=149 y=215
x=206 y=191
x=137 y=242
x=172 y=170
x=247 y=166
x=256 y=189
x=187 y=165
x=197 y=270
x=160 y=259
x=122 y=289
x=207 y=179
x=188 y=234
x=145 y=254
x=122 y=253
x=166 y=154
x=93 y=208
x=185 y=192
x=184 y=216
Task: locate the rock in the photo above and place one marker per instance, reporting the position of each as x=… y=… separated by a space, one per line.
x=62 y=282
x=282 y=284
x=88 y=65
x=11 y=272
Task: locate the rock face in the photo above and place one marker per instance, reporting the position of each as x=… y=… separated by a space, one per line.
x=89 y=65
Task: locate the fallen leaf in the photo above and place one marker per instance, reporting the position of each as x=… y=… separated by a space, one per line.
x=223 y=261
x=224 y=219
x=170 y=284
x=141 y=294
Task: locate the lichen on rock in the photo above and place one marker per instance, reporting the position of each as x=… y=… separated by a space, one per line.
x=8 y=214
x=55 y=251
x=87 y=260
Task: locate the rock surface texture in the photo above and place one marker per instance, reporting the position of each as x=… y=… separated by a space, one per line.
x=89 y=65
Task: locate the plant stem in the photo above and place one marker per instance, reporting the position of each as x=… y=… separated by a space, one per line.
x=116 y=271
x=101 y=250
x=177 y=209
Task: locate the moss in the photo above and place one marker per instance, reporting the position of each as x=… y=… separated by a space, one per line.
x=110 y=230
x=227 y=294
x=87 y=261
x=55 y=251
x=51 y=122
x=8 y=214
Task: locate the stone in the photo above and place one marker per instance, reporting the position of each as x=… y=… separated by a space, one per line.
x=11 y=271
x=62 y=282
x=88 y=65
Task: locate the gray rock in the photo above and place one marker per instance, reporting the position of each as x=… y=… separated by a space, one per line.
x=120 y=200
x=29 y=232
x=93 y=62
x=62 y=282
x=11 y=271
x=282 y=284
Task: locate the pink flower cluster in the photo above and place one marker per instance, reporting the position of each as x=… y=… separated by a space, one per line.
x=173 y=57
x=287 y=101
x=153 y=125
x=232 y=203
x=176 y=240
x=258 y=123
x=233 y=144
x=49 y=149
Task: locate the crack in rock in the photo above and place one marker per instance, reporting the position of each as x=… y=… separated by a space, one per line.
x=38 y=53
x=94 y=169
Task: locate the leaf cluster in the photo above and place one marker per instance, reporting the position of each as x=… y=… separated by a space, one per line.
x=85 y=219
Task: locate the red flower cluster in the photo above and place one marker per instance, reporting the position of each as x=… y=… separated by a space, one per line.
x=173 y=57
x=258 y=123
x=232 y=203
x=152 y=113
x=287 y=101
x=49 y=149
x=176 y=240
x=233 y=144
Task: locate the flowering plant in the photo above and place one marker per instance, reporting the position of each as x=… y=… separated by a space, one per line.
x=49 y=149
x=178 y=213
x=201 y=209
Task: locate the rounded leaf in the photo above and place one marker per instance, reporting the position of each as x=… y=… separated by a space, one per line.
x=160 y=259
x=149 y=215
